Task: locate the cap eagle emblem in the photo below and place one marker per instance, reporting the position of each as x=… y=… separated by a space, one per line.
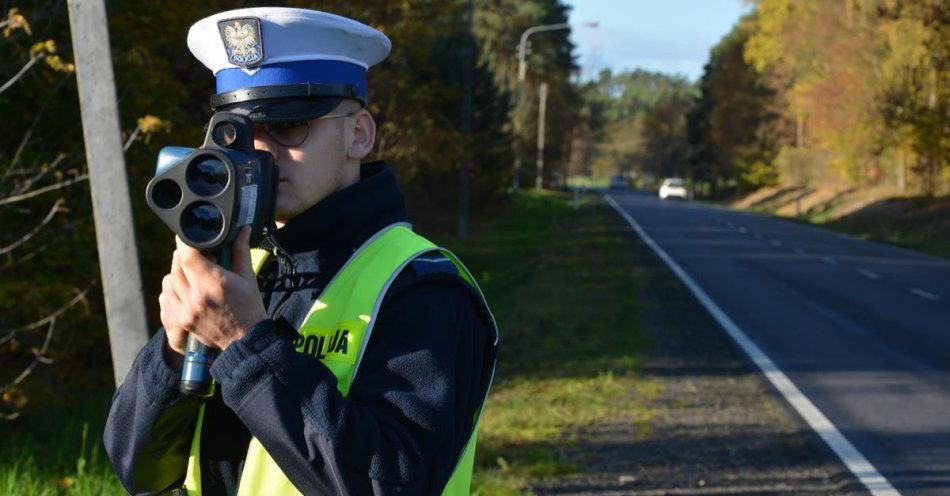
x=242 y=41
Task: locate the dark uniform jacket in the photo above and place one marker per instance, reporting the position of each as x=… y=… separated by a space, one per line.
x=409 y=411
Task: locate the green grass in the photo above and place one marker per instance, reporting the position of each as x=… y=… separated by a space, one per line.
x=587 y=182
x=58 y=452
x=563 y=293
x=564 y=297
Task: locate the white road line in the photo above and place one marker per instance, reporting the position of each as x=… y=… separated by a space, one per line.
x=829 y=260
x=775 y=242
x=743 y=230
x=924 y=294
x=869 y=274
x=862 y=469
x=730 y=224
x=799 y=251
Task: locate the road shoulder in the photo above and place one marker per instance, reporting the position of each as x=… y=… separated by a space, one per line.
x=715 y=427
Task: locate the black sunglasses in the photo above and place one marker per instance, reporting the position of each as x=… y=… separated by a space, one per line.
x=294 y=133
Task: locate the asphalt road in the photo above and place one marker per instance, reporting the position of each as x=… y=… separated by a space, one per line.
x=861 y=328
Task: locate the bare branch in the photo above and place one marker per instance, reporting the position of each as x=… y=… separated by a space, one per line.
x=57 y=207
x=36 y=58
x=135 y=134
x=36 y=120
x=40 y=191
x=29 y=182
x=26 y=171
x=19 y=150
x=46 y=320
x=9 y=416
x=31 y=254
x=53 y=239
x=37 y=357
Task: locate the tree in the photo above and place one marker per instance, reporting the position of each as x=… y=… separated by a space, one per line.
x=498 y=27
x=735 y=127
x=863 y=82
x=34 y=299
x=664 y=134
x=915 y=69
x=637 y=119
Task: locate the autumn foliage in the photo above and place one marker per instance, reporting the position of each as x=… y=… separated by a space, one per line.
x=851 y=92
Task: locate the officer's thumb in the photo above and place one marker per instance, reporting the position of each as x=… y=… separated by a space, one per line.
x=241 y=253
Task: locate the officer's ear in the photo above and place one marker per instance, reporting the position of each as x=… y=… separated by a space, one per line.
x=360 y=134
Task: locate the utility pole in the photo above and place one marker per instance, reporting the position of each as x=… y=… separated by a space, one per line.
x=115 y=239
x=542 y=106
x=466 y=124
x=518 y=125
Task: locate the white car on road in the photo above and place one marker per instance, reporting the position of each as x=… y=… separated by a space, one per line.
x=674 y=187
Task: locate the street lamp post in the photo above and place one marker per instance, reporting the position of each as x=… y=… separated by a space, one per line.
x=522 y=70
x=522 y=45
x=542 y=106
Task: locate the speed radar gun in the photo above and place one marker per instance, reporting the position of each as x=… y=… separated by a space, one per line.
x=206 y=195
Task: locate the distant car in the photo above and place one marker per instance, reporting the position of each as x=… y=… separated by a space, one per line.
x=674 y=187
x=618 y=182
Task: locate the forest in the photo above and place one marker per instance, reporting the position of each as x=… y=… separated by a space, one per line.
x=853 y=92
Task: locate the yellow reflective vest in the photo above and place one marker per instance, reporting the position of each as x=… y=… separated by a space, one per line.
x=343 y=316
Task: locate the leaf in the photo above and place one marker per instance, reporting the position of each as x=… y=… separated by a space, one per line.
x=57 y=64
x=48 y=46
x=65 y=483
x=15 y=398
x=149 y=124
x=15 y=20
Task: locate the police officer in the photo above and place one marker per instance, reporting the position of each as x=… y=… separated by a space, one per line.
x=355 y=354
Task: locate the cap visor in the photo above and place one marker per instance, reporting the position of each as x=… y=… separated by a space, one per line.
x=283 y=109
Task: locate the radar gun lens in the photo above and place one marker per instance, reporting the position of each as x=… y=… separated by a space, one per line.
x=202 y=222
x=207 y=176
x=166 y=194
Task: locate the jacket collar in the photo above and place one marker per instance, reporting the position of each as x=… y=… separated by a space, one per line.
x=340 y=223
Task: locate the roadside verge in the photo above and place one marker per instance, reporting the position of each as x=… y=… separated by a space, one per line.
x=614 y=380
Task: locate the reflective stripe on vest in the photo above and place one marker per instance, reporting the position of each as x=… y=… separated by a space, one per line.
x=336 y=330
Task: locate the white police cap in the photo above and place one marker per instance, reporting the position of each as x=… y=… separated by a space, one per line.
x=285 y=53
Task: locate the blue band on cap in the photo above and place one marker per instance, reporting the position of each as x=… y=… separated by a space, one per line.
x=304 y=71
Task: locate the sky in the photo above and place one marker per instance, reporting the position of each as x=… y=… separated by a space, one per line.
x=672 y=36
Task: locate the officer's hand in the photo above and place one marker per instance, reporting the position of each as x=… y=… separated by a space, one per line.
x=175 y=333
x=215 y=304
